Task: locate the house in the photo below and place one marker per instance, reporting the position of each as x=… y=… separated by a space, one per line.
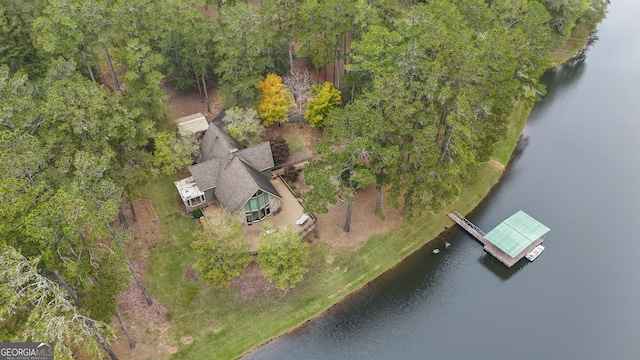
x=238 y=178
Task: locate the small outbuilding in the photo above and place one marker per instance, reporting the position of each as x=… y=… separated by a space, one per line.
x=192 y=124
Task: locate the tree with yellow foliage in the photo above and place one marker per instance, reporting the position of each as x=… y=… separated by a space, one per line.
x=275 y=100
x=325 y=99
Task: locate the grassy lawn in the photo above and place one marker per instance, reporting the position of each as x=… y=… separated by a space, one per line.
x=295 y=144
x=168 y=263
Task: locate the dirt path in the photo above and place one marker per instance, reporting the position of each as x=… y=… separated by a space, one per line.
x=497 y=164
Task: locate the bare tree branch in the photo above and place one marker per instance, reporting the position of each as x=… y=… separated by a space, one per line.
x=300 y=84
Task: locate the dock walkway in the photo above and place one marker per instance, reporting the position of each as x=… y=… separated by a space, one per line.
x=469 y=226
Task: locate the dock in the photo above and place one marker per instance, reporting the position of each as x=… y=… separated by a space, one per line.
x=511 y=240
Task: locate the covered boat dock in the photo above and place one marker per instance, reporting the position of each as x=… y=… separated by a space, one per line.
x=511 y=240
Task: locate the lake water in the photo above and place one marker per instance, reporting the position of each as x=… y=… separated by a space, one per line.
x=578 y=172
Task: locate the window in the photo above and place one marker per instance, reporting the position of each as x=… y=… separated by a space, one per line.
x=195 y=201
x=258 y=207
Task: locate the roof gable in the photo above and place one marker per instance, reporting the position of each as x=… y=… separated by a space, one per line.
x=238 y=182
x=235 y=186
x=216 y=144
x=259 y=156
x=261 y=180
x=206 y=173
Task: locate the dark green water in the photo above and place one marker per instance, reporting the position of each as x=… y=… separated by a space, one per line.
x=578 y=172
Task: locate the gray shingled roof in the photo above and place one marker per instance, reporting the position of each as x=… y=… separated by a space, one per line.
x=235 y=186
x=262 y=181
x=235 y=176
x=206 y=173
x=216 y=143
x=238 y=182
x=259 y=156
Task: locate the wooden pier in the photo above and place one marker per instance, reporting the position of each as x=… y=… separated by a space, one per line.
x=523 y=241
x=469 y=226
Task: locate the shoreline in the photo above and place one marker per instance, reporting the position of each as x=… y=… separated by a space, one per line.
x=558 y=62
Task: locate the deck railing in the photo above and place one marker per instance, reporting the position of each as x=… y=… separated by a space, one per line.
x=468 y=222
x=310 y=225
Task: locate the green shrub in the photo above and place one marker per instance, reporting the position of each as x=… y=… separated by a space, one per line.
x=196 y=214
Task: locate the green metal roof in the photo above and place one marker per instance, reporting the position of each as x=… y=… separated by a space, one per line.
x=516 y=233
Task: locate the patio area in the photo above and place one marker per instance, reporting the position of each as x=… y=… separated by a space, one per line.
x=290 y=213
